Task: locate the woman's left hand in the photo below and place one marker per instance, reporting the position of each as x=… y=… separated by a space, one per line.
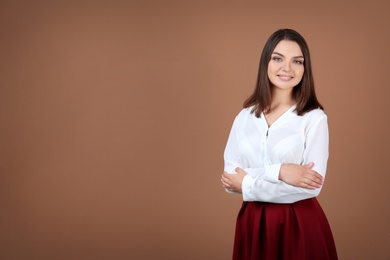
x=233 y=182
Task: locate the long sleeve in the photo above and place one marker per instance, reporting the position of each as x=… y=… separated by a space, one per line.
x=233 y=158
x=257 y=188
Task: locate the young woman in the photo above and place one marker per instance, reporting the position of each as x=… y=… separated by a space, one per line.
x=276 y=157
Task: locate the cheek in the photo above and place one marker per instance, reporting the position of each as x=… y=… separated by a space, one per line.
x=300 y=73
x=270 y=70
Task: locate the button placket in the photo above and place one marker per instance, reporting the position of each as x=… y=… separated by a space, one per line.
x=266 y=157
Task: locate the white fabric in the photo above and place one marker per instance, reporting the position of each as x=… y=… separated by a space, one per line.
x=291 y=139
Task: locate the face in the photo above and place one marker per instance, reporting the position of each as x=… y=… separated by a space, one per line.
x=285 y=69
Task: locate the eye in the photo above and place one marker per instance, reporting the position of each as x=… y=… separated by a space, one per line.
x=300 y=62
x=276 y=58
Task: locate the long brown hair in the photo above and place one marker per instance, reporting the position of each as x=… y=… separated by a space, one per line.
x=303 y=93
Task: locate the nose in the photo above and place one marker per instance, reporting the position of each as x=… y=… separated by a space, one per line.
x=286 y=66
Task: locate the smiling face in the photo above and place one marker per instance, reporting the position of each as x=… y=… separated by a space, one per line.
x=285 y=68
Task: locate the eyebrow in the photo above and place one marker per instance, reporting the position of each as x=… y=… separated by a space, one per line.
x=283 y=55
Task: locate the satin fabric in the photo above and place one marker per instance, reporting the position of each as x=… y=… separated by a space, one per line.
x=296 y=231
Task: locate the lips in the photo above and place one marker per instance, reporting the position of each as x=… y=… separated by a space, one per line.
x=285 y=77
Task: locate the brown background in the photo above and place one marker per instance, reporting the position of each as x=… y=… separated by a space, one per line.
x=114 y=116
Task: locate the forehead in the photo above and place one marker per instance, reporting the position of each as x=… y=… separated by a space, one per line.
x=288 y=48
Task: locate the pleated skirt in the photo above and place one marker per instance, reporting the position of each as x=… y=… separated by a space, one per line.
x=297 y=231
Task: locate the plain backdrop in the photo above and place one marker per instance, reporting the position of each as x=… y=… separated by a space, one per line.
x=114 y=116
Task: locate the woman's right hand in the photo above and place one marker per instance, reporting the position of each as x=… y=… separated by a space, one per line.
x=301 y=176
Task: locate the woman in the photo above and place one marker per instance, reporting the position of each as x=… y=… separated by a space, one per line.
x=276 y=157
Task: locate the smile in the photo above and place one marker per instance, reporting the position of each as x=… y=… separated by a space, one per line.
x=285 y=78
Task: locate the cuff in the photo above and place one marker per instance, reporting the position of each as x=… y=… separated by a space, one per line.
x=247 y=188
x=272 y=173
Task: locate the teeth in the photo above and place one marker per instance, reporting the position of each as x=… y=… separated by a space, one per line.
x=285 y=77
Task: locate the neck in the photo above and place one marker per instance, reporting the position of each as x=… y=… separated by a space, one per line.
x=282 y=98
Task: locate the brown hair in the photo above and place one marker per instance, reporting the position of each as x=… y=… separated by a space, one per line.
x=303 y=93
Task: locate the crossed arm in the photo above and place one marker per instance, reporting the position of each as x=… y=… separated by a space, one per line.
x=280 y=183
x=296 y=175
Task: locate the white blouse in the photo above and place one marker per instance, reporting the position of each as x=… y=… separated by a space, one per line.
x=260 y=150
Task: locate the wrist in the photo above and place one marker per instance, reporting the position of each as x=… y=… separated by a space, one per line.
x=283 y=171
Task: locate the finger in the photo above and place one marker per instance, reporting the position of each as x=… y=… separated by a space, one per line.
x=315 y=184
x=319 y=179
x=315 y=175
x=225 y=184
x=308 y=186
x=228 y=179
x=313 y=181
x=309 y=165
x=240 y=171
x=314 y=178
x=224 y=179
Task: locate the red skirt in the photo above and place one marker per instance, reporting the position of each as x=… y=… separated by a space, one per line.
x=297 y=231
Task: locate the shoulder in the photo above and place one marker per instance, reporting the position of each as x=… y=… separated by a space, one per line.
x=315 y=115
x=245 y=113
x=315 y=118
